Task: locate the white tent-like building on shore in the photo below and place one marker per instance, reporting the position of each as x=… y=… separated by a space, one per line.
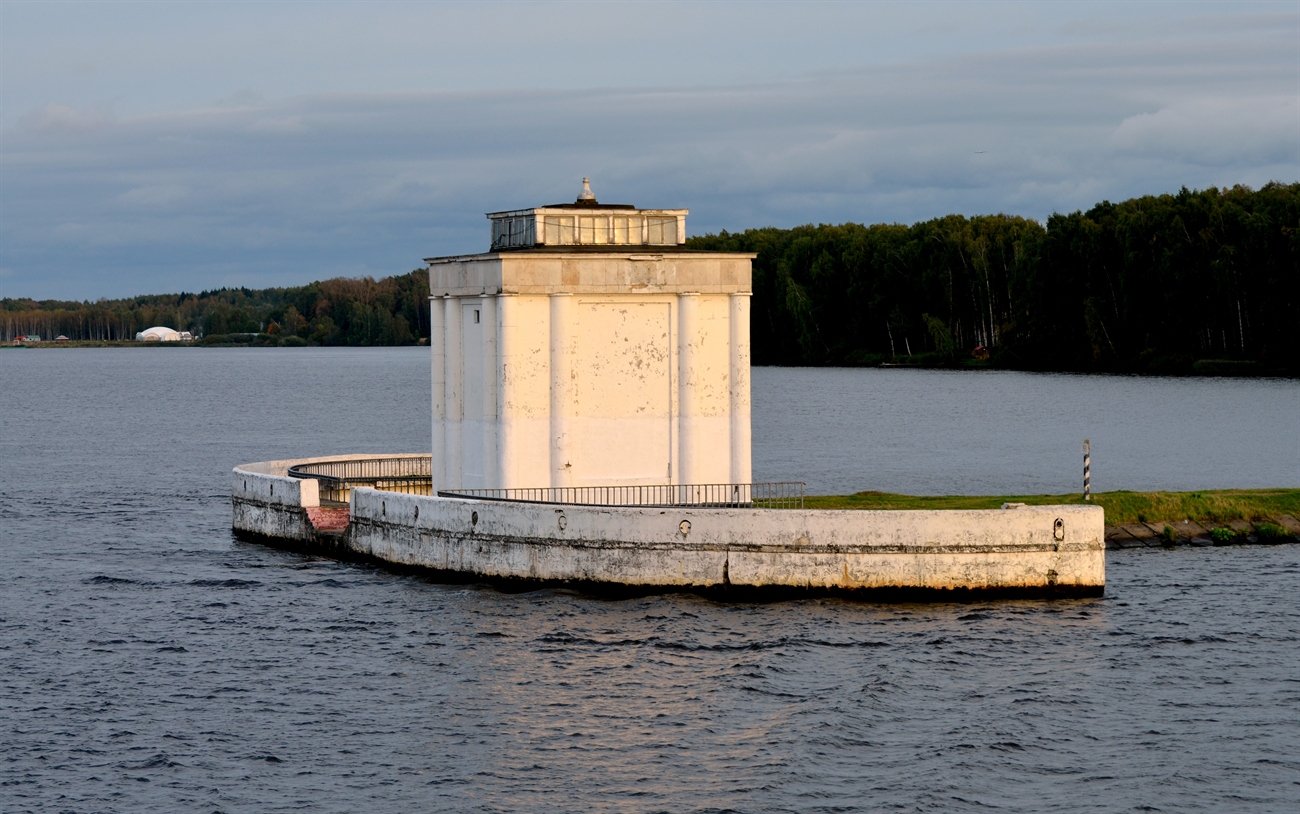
x=158 y=333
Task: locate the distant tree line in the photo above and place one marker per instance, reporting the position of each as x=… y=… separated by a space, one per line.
x=1200 y=281
x=391 y=311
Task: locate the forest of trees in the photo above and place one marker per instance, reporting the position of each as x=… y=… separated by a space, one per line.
x=1199 y=281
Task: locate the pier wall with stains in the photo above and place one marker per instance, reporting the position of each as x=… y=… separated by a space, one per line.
x=1033 y=550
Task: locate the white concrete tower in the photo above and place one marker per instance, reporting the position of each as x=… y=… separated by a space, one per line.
x=588 y=348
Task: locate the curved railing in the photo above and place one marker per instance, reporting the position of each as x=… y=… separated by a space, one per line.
x=412 y=475
x=782 y=495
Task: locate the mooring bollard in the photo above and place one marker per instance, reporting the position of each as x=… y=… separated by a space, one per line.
x=1087 y=469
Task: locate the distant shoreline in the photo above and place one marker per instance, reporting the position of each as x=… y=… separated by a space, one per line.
x=1202 y=369
x=266 y=342
x=1195 y=283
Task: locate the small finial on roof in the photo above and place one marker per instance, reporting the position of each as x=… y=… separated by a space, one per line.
x=587 y=194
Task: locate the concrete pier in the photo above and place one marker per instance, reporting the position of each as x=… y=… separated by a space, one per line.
x=1034 y=550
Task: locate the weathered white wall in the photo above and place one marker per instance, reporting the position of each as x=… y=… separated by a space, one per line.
x=738 y=324
x=545 y=271
x=266 y=501
x=524 y=428
x=622 y=398
x=591 y=369
x=475 y=415
x=1012 y=549
x=999 y=549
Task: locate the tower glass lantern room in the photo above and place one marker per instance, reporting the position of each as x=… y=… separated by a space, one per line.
x=587 y=223
x=588 y=347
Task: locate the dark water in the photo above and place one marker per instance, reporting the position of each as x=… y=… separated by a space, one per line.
x=150 y=663
x=950 y=433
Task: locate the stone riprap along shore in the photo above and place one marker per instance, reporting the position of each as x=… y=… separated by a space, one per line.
x=1282 y=528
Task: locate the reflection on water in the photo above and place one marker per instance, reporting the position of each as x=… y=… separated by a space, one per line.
x=150 y=663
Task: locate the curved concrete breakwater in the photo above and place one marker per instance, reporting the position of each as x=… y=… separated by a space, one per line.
x=1018 y=550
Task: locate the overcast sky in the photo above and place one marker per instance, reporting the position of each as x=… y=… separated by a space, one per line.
x=161 y=147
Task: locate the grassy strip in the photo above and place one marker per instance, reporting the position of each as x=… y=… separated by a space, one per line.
x=1206 y=507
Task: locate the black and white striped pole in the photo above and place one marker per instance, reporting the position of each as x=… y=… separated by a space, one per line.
x=1087 y=470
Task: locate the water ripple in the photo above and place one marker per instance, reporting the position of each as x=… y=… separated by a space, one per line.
x=151 y=663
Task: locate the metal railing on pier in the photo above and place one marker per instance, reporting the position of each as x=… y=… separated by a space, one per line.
x=413 y=476
x=410 y=475
x=785 y=495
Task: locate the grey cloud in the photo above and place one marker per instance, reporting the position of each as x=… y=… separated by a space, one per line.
x=1217 y=131
x=55 y=118
x=282 y=192
x=154 y=195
